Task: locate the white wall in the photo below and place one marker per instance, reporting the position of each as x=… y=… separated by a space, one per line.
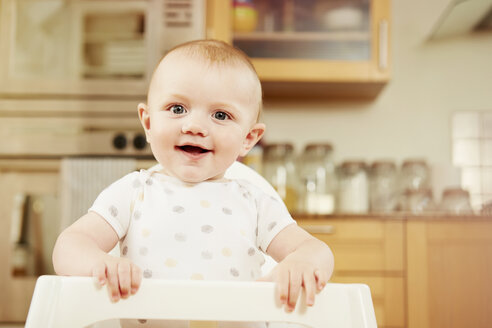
x=411 y=116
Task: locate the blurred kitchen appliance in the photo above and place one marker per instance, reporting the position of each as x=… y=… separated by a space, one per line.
x=85 y=47
x=56 y=137
x=32 y=193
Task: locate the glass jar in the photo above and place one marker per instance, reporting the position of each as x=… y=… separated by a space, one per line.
x=317 y=179
x=418 y=201
x=353 y=188
x=280 y=170
x=456 y=201
x=414 y=175
x=254 y=158
x=383 y=187
x=486 y=208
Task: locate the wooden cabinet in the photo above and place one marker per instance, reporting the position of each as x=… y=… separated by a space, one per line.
x=369 y=251
x=449 y=270
x=304 y=46
x=423 y=271
x=20 y=268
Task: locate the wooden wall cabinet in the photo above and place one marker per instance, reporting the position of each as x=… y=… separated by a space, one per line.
x=295 y=52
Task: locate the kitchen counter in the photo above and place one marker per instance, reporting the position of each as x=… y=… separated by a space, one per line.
x=395 y=216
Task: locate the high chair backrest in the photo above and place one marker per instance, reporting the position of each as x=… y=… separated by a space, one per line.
x=60 y=302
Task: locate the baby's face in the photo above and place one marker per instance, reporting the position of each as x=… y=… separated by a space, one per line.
x=200 y=117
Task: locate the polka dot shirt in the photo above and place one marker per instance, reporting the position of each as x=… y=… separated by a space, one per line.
x=213 y=230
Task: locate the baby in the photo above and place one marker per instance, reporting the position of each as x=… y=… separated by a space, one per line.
x=184 y=219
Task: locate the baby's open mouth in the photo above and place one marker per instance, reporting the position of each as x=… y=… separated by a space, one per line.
x=193 y=149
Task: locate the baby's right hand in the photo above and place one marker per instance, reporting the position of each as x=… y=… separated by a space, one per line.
x=122 y=277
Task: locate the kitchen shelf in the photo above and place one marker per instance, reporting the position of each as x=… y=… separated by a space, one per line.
x=128 y=72
x=437 y=216
x=304 y=36
x=306 y=60
x=108 y=37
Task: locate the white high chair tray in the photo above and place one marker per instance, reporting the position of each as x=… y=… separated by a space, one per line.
x=77 y=302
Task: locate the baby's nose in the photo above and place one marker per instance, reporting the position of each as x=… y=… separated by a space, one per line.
x=194 y=126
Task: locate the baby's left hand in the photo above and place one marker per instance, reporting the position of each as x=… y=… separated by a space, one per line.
x=291 y=275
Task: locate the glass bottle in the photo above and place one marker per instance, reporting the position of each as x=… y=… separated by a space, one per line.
x=353 y=188
x=280 y=170
x=383 y=186
x=318 y=180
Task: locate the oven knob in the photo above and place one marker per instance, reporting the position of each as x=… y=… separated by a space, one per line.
x=119 y=141
x=139 y=142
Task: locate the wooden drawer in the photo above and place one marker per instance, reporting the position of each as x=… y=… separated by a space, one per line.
x=361 y=245
x=388 y=297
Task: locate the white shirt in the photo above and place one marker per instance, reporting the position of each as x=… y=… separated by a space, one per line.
x=213 y=230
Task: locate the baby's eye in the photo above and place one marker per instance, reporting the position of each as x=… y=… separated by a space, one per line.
x=177 y=109
x=221 y=116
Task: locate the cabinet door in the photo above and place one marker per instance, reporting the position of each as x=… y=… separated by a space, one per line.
x=314 y=41
x=29 y=225
x=361 y=245
x=368 y=251
x=75 y=47
x=449 y=270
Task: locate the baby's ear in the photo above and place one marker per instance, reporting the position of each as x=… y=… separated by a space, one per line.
x=144 y=117
x=254 y=135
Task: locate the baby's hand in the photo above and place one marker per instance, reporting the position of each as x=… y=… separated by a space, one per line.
x=121 y=275
x=291 y=275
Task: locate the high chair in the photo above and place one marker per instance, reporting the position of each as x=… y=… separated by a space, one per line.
x=72 y=302
x=61 y=302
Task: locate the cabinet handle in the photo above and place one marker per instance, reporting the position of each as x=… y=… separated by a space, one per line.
x=383 y=44
x=325 y=229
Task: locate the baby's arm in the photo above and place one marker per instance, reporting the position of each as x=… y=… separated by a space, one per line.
x=304 y=261
x=82 y=250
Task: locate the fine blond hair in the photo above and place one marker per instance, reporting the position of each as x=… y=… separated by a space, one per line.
x=216 y=52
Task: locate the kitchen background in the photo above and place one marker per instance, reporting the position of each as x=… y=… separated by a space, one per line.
x=435 y=104
x=431 y=80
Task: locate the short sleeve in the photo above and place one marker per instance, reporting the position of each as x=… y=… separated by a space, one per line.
x=114 y=203
x=273 y=217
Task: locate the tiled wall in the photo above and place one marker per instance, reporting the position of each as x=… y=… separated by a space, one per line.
x=472 y=151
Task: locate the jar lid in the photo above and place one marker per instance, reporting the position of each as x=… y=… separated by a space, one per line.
x=318 y=145
x=353 y=166
x=414 y=162
x=276 y=150
x=455 y=191
x=319 y=149
x=383 y=164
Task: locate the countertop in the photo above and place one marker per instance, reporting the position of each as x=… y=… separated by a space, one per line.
x=394 y=216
